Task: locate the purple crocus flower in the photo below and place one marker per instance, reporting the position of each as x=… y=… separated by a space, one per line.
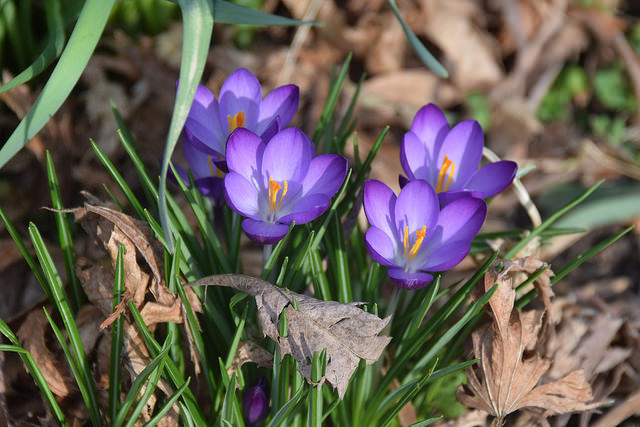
x=278 y=182
x=240 y=105
x=256 y=403
x=448 y=158
x=207 y=176
x=411 y=235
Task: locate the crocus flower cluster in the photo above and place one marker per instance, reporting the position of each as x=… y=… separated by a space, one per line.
x=210 y=122
x=429 y=226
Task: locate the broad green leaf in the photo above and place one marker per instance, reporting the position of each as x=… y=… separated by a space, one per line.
x=75 y=56
x=50 y=52
x=197 y=20
x=229 y=13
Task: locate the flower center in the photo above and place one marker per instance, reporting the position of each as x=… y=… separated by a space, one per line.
x=411 y=253
x=214 y=171
x=274 y=189
x=236 y=121
x=445 y=173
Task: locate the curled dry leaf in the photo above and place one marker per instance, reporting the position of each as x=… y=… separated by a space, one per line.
x=32 y=337
x=250 y=352
x=346 y=331
x=507 y=375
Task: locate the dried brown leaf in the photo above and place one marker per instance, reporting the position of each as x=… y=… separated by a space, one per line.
x=33 y=339
x=250 y=352
x=507 y=375
x=346 y=331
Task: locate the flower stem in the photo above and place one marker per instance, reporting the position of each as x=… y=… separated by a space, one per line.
x=266 y=253
x=394 y=301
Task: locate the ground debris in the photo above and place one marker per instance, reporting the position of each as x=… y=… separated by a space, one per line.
x=507 y=375
x=346 y=331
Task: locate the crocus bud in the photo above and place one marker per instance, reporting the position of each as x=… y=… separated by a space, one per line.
x=256 y=403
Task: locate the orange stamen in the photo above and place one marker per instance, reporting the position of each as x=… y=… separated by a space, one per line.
x=446 y=163
x=236 y=121
x=418 y=243
x=406 y=241
x=274 y=188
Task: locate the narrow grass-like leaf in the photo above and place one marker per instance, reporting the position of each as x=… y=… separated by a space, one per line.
x=553 y=218
x=35 y=372
x=275 y=253
x=426 y=422
x=83 y=40
x=64 y=235
x=119 y=180
x=286 y=409
x=117 y=334
x=194 y=330
x=173 y=374
x=315 y=395
x=55 y=43
x=73 y=366
x=231 y=405
x=236 y=338
x=425 y=56
x=33 y=265
x=320 y=283
x=332 y=100
x=206 y=228
x=60 y=299
x=167 y=406
x=156 y=364
x=452 y=331
x=197 y=24
x=339 y=260
x=425 y=305
x=525 y=299
x=337 y=199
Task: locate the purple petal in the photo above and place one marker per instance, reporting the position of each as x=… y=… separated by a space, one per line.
x=463 y=146
x=271 y=129
x=241 y=195
x=458 y=221
x=215 y=151
x=306 y=209
x=448 y=197
x=241 y=92
x=447 y=256
x=198 y=161
x=417 y=206
x=409 y=280
x=244 y=155
x=212 y=187
x=203 y=120
x=415 y=159
x=430 y=125
x=264 y=232
x=281 y=102
x=380 y=246
x=379 y=206
x=287 y=156
x=325 y=175
x=492 y=178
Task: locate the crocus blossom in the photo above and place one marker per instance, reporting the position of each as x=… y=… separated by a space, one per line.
x=240 y=105
x=412 y=236
x=256 y=403
x=278 y=182
x=207 y=176
x=448 y=159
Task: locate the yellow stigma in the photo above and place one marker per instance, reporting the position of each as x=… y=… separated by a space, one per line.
x=236 y=121
x=416 y=245
x=274 y=188
x=446 y=163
